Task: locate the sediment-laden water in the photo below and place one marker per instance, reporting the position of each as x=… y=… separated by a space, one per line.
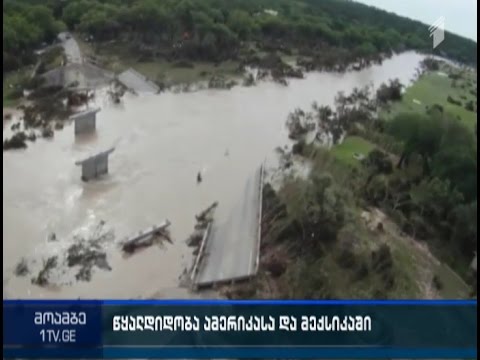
x=162 y=142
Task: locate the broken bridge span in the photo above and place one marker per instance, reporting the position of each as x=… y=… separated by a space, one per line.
x=230 y=250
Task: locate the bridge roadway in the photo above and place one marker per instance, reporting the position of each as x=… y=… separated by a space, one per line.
x=135 y=81
x=232 y=247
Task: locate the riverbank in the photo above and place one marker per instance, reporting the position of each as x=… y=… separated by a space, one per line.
x=161 y=143
x=86 y=65
x=351 y=244
x=118 y=58
x=275 y=62
x=455 y=89
x=371 y=258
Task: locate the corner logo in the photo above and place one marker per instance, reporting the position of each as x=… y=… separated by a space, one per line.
x=437 y=31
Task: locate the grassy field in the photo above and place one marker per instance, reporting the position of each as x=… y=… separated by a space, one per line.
x=418 y=267
x=163 y=71
x=117 y=58
x=345 y=152
x=434 y=88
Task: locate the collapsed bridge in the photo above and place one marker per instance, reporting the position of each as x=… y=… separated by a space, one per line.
x=230 y=250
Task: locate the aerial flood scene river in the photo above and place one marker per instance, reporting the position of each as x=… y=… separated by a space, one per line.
x=239 y=179
x=162 y=143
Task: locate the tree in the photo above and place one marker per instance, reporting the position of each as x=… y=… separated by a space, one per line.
x=43 y=18
x=327 y=209
x=183 y=14
x=241 y=23
x=149 y=20
x=420 y=134
x=434 y=199
x=459 y=166
x=377 y=162
x=27 y=34
x=464 y=232
x=274 y=27
x=366 y=49
x=10 y=38
x=72 y=13
x=97 y=23
x=318 y=210
x=390 y=92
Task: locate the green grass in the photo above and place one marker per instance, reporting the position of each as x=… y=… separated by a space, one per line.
x=116 y=57
x=453 y=287
x=415 y=269
x=351 y=145
x=433 y=88
x=162 y=70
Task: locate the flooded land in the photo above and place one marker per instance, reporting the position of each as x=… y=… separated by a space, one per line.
x=161 y=143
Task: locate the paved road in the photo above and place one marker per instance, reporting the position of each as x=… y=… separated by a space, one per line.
x=71 y=48
x=76 y=71
x=232 y=246
x=84 y=75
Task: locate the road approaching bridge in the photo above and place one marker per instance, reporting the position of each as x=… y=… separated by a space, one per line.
x=71 y=48
x=231 y=248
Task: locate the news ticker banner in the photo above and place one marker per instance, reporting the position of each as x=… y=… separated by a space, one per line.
x=239 y=329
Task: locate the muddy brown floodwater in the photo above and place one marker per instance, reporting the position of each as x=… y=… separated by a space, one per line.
x=161 y=141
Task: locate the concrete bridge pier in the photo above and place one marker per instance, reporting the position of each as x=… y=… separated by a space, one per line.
x=85 y=122
x=95 y=166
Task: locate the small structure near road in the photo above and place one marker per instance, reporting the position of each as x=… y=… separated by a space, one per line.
x=85 y=122
x=95 y=166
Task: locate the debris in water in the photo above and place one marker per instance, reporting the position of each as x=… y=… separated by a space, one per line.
x=199 y=177
x=83 y=253
x=195 y=239
x=31 y=136
x=220 y=82
x=86 y=255
x=147 y=238
x=203 y=219
x=42 y=278
x=78 y=98
x=249 y=80
x=47 y=132
x=117 y=92
x=17 y=141
x=206 y=215
x=22 y=268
